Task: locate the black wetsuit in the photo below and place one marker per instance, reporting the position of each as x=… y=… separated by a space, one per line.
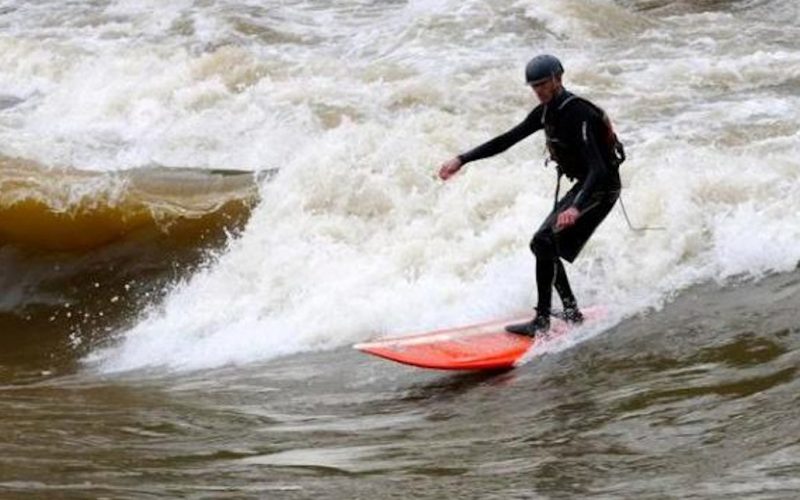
x=578 y=140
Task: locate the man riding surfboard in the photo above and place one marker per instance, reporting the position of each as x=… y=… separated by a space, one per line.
x=582 y=142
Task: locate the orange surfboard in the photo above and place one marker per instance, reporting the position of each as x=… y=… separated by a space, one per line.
x=485 y=346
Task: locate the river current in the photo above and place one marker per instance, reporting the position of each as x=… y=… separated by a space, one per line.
x=204 y=204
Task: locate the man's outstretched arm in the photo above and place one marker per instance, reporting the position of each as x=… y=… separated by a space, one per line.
x=502 y=142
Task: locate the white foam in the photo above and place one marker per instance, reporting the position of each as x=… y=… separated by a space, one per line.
x=358 y=104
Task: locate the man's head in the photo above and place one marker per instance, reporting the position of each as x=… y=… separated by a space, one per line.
x=543 y=74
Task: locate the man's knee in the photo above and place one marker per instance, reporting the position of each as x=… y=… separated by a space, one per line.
x=543 y=244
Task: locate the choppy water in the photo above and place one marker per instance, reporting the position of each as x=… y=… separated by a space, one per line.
x=164 y=335
x=699 y=400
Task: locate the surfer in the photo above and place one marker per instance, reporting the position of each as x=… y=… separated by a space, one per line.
x=582 y=143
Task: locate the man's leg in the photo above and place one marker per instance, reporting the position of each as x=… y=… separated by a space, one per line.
x=571 y=311
x=563 y=288
x=543 y=247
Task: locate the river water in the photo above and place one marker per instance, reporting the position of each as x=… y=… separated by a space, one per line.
x=204 y=204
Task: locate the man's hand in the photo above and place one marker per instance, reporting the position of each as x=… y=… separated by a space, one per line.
x=567 y=218
x=449 y=168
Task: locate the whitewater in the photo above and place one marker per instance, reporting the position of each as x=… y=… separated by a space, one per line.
x=356 y=103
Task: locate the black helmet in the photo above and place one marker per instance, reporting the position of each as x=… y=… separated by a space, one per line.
x=542 y=67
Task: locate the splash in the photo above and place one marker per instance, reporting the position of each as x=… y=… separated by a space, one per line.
x=357 y=104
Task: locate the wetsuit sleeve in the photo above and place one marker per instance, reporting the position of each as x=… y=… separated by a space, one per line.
x=529 y=125
x=586 y=130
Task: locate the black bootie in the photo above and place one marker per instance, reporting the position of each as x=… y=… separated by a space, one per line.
x=540 y=323
x=572 y=315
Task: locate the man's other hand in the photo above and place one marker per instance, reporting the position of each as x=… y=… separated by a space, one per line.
x=567 y=218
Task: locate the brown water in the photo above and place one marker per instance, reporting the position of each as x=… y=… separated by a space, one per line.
x=699 y=400
x=75 y=268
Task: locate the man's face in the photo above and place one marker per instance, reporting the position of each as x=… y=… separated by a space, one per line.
x=547 y=89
